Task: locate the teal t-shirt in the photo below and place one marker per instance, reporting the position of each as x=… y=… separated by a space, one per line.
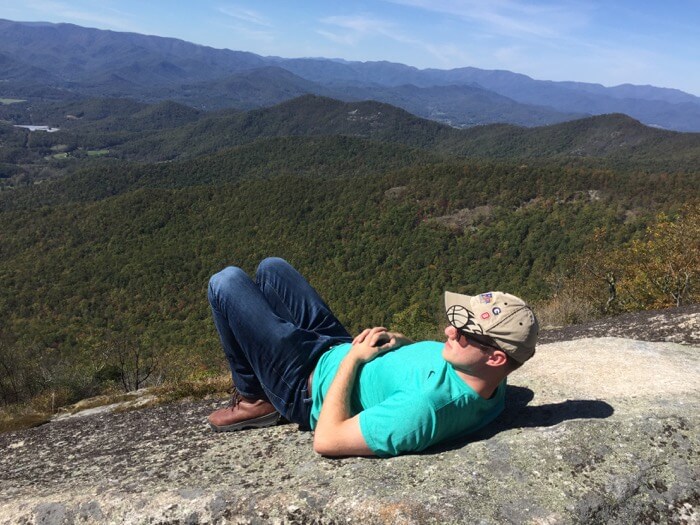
x=408 y=399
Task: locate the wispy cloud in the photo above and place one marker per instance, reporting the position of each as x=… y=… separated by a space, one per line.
x=447 y=55
x=345 y=39
x=620 y=64
x=351 y=30
x=259 y=35
x=511 y=17
x=109 y=17
x=359 y=23
x=245 y=15
x=247 y=24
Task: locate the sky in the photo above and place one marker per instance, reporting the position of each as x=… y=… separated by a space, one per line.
x=605 y=42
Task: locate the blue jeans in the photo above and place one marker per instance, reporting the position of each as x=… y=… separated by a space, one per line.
x=273 y=332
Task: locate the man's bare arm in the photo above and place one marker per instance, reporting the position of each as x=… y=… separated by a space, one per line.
x=337 y=433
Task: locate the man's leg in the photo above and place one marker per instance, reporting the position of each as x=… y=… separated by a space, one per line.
x=293 y=298
x=249 y=406
x=270 y=357
x=229 y=282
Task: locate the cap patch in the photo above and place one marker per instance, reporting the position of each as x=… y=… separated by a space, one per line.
x=485 y=315
x=485 y=298
x=463 y=319
x=496 y=310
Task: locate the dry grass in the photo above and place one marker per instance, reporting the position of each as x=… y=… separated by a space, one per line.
x=195 y=389
x=11 y=420
x=33 y=413
x=43 y=408
x=564 y=309
x=99 y=401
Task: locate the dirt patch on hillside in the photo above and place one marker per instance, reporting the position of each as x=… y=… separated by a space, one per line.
x=464 y=217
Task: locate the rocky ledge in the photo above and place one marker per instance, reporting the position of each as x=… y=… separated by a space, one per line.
x=597 y=430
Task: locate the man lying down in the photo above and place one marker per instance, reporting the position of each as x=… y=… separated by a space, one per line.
x=377 y=394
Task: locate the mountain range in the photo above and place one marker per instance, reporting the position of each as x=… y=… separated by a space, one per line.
x=124 y=129
x=43 y=61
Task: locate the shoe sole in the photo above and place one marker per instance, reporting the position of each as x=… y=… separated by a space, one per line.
x=269 y=420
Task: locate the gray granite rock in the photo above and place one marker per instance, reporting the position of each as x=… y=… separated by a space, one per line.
x=676 y=325
x=597 y=430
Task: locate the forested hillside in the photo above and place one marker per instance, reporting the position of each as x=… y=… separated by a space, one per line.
x=110 y=259
x=108 y=129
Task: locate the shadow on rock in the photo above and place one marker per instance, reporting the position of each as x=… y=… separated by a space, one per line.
x=517 y=414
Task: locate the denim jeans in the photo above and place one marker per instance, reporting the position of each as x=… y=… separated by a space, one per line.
x=273 y=332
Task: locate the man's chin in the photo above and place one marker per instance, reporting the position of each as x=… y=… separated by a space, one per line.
x=445 y=352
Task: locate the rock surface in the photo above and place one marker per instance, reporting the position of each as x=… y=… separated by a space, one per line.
x=597 y=430
x=677 y=325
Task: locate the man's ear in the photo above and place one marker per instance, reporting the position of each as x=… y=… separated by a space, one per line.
x=497 y=358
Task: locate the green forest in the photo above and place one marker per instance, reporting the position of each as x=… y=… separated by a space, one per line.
x=107 y=258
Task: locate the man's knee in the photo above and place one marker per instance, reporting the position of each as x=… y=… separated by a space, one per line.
x=271 y=266
x=225 y=281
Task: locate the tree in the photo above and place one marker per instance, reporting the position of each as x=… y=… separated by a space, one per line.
x=20 y=372
x=664 y=267
x=416 y=323
x=659 y=270
x=135 y=364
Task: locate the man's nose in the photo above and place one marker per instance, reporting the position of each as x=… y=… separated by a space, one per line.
x=451 y=332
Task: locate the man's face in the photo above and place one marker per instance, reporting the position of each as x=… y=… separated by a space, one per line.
x=462 y=352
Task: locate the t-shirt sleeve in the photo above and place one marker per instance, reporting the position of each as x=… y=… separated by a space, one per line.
x=399 y=424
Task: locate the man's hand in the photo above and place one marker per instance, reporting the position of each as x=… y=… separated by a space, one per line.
x=372 y=342
x=337 y=432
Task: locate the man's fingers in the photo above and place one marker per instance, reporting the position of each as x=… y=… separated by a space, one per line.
x=370 y=343
x=361 y=336
x=376 y=334
x=380 y=339
x=368 y=334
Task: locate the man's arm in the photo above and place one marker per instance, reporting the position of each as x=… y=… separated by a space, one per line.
x=337 y=433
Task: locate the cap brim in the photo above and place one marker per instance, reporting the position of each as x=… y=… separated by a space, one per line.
x=452 y=299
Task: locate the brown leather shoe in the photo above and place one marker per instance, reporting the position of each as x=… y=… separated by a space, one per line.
x=243 y=413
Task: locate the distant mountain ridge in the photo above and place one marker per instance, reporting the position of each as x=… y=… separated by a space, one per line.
x=166 y=131
x=613 y=135
x=64 y=60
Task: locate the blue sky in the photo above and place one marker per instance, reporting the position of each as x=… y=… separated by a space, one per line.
x=611 y=43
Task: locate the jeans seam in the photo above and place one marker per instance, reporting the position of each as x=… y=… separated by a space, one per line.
x=266 y=284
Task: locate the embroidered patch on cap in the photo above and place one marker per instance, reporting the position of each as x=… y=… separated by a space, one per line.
x=485 y=298
x=485 y=315
x=496 y=310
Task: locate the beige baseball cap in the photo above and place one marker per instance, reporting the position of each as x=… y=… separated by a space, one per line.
x=500 y=317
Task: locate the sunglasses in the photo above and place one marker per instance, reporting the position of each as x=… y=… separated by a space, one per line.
x=480 y=345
